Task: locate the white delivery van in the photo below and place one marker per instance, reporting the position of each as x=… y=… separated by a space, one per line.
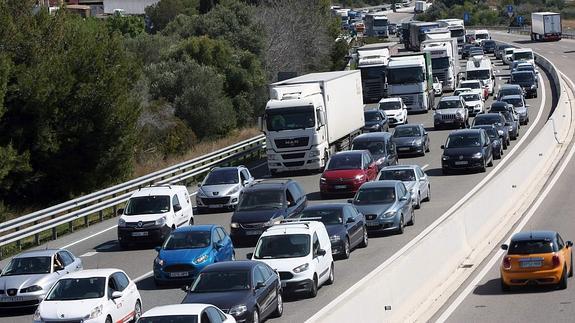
x=300 y=251
x=153 y=212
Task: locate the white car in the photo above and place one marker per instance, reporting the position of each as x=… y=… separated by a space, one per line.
x=437 y=86
x=300 y=251
x=473 y=102
x=395 y=110
x=222 y=187
x=475 y=86
x=507 y=55
x=91 y=296
x=460 y=90
x=186 y=313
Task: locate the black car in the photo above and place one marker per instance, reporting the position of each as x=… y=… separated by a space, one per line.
x=499 y=49
x=466 y=149
x=475 y=50
x=512 y=123
x=345 y=225
x=510 y=89
x=527 y=80
x=499 y=106
x=380 y=145
x=375 y=120
x=465 y=50
x=496 y=140
x=411 y=139
x=248 y=290
x=264 y=204
x=496 y=119
x=488 y=45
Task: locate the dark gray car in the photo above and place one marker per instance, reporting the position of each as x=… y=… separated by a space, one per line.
x=380 y=145
x=496 y=119
x=375 y=120
x=411 y=139
x=521 y=107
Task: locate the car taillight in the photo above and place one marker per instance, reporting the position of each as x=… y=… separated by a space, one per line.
x=556 y=261
x=507 y=263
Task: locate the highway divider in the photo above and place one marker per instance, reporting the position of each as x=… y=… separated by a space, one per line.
x=416 y=281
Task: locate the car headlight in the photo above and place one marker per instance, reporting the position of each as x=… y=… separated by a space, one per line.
x=158 y=261
x=201 y=193
x=444 y=157
x=235 y=225
x=500 y=132
x=161 y=221
x=31 y=289
x=201 y=259
x=322 y=180
x=359 y=177
x=335 y=238
x=94 y=313
x=477 y=106
x=37 y=316
x=234 y=190
x=301 y=268
x=121 y=223
x=417 y=142
x=314 y=153
x=238 y=310
x=436 y=116
x=477 y=155
x=389 y=214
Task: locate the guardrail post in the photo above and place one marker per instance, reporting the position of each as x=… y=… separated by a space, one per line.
x=36 y=236
x=54 y=230
x=86 y=221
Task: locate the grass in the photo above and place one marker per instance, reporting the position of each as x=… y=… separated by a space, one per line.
x=569 y=26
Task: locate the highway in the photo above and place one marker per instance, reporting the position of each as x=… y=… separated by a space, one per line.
x=98 y=246
x=480 y=299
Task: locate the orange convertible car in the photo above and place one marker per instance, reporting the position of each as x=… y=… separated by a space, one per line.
x=536 y=257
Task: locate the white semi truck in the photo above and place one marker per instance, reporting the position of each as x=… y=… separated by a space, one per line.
x=410 y=77
x=371 y=61
x=376 y=25
x=310 y=117
x=545 y=26
x=420 y=6
x=444 y=60
x=456 y=27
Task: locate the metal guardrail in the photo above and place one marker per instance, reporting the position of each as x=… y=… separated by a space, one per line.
x=35 y=223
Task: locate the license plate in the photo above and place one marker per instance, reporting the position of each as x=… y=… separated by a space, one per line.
x=182 y=274
x=403 y=148
x=215 y=206
x=461 y=162
x=253 y=232
x=448 y=121
x=340 y=187
x=11 y=299
x=372 y=224
x=140 y=234
x=530 y=264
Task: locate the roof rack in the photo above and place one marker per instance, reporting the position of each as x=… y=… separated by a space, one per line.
x=156 y=185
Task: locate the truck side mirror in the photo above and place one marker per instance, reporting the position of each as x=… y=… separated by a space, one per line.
x=261 y=123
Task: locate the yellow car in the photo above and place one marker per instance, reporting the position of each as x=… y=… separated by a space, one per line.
x=536 y=258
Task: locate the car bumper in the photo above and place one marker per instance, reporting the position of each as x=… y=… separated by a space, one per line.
x=243 y=234
x=340 y=188
x=217 y=202
x=541 y=277
x=448 y=123
x=177 y=276
x=401 y=150
x=143 y=235
x=301 y=286
x=383 y=225
x=14 y=302
x=462 y=164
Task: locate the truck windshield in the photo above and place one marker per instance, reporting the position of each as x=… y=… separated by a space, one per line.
x=380 y=22
x=457 y=32
x=442 y=62
x=372 y=73
x=290 y=118
x=478 y=75
x=405 y=75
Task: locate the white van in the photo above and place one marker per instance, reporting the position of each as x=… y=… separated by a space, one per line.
x=525 y=54
x=480 y=35
x=300 y=251
x=480 y=68
x=153 y=212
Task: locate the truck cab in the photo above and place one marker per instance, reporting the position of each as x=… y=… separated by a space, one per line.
x=480 y=35
x=444 y=61
x=372 y=60
x=376 y=25
x=410 y=78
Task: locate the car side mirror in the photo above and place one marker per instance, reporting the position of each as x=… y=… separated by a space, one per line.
x=177 y=208
x=504 y=247
x=442 y=146
x=260 y=285
x=350 y=201
x=218 y=245
x=403 y=198
x=186 y=288
x=250 y=255
x=569 y=244
x=350 y=220
x=158 y=248
x=120 y=212
x=199 y=184
x=321 y=252
x=246 y=183
x=117 y=294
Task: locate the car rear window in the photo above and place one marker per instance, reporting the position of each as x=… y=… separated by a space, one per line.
x=530 y=247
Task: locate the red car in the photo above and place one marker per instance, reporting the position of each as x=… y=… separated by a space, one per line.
x=346 y=171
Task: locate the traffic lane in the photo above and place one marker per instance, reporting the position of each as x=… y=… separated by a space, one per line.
x=487 y=303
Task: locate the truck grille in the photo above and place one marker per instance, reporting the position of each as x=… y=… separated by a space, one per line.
x=409 y=100
x=215 y=200
x=292 y=142
x=293 y=156
x=284 y=275
x=294 y=164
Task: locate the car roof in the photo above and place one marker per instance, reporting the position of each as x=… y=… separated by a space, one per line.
x=196 y=228
x=383 y=183
x=512 y=96
x=389 y=100
x=395 y=167
x=470 y=81
x=37 y=253
x=464 y=131
x=87 y=273
x=534 y=235
x=484 y=126
x=232 y=265
x=522 y=72
x=326 y=206
x=227 y=168
x=450 y=98
x=176 y=309
x=490 y=114
x=294 y=227
x=349 y=152
x=158 y=190
x=469 y=92
x=409 y=125
x=509 y=85
x=268 y=184
x=500 y=103
x=373 y=136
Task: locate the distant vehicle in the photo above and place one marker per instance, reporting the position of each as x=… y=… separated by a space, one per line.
x=460 y=90
x=476 y=86
x=523 y=54
x=186 y=313
x=507 y=55
x=300 y=252
x=410 y=77
x=414 y=178
x=346 y=171
x=488 y=46
x=451 y=111
x=527 y=80
x=380 y=145
x=546 y=26
x=437 y=86
x=152 y=213
x=521 y=107
x=250 y=291
x=526 y=67
x=222 y=186
x=512 y=123
x=91 y=295
x=467 y=149
x=411 y=139
x=376 y=25
x=496 y=140
x=509 y=89
x=457 y=28
x=499 y=50
x=387 y=206
x=375 y=120
x=395 y=110
x=263 y=204
x=28 y=276
x=344 y=224
x=498 y=121
x=480 y=35
x=465 y=50
x=188 y=250
x=536 y=257
x=420 y=6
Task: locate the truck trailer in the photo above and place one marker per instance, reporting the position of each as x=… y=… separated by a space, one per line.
x=545 y=26
x=417 y=32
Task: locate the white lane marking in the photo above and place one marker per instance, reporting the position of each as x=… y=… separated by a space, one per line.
x=563 y=56
x=434 y=224
x=475 y=282
x=89 y=254
x=425 y=166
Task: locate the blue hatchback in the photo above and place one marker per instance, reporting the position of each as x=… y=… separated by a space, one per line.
x=188 y=250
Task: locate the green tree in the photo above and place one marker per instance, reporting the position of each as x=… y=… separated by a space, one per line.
x=161 y=13
x=126 y=25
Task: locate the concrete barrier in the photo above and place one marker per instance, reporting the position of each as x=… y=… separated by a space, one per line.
x=413 y=283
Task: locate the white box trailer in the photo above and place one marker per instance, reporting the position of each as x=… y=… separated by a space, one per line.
x=545 y=26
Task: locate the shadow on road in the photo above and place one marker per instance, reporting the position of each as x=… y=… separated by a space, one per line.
x=17 y=312
x=493 y=287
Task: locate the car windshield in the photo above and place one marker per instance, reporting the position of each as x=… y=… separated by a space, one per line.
x=290 y=118
x=530 y=247
x=405 y=75
x=458 y=92
x=440 y=63
x=477 y=75
x=328 y=216
x=405 y=175
x=222 y=176
x=68 y=289
x=345 y=161
x=463 y=140
x=261 y=200
x=406 y=132
x=372 y=72
x=517 y=102
x=448 y=104
x=28 y=266
x=509 y=91
x=522 y=77
x=471 y=97
x=524 y=55
x=486 y=119
x=375 y=195
x=472 y=85
x=390 y=105
x=282 y=246
x=374 y=147
x=187 y=240
x=372 y=116
x=152 y=204
x=221 y=281
x=169 y=319
x=481 y=36
x=507 y=115
x=491 y=132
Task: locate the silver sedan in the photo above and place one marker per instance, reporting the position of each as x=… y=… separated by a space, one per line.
x=414 y=178
x=28 y=276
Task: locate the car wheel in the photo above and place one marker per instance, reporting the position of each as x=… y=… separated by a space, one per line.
x=233 y=256
x=428 y=197
x=563 y=281
x=279 y=307
x=400 y=226
x=346 y=249
x=418 y=204
x=571 y=266
x=256 y=316
x=412 y=219
x=365 y=240
x=490 y=164
x=504 y=286
x=108 y=319
x=137 y=311
x=313 y=290
x=331 y=278
x=483 y=168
